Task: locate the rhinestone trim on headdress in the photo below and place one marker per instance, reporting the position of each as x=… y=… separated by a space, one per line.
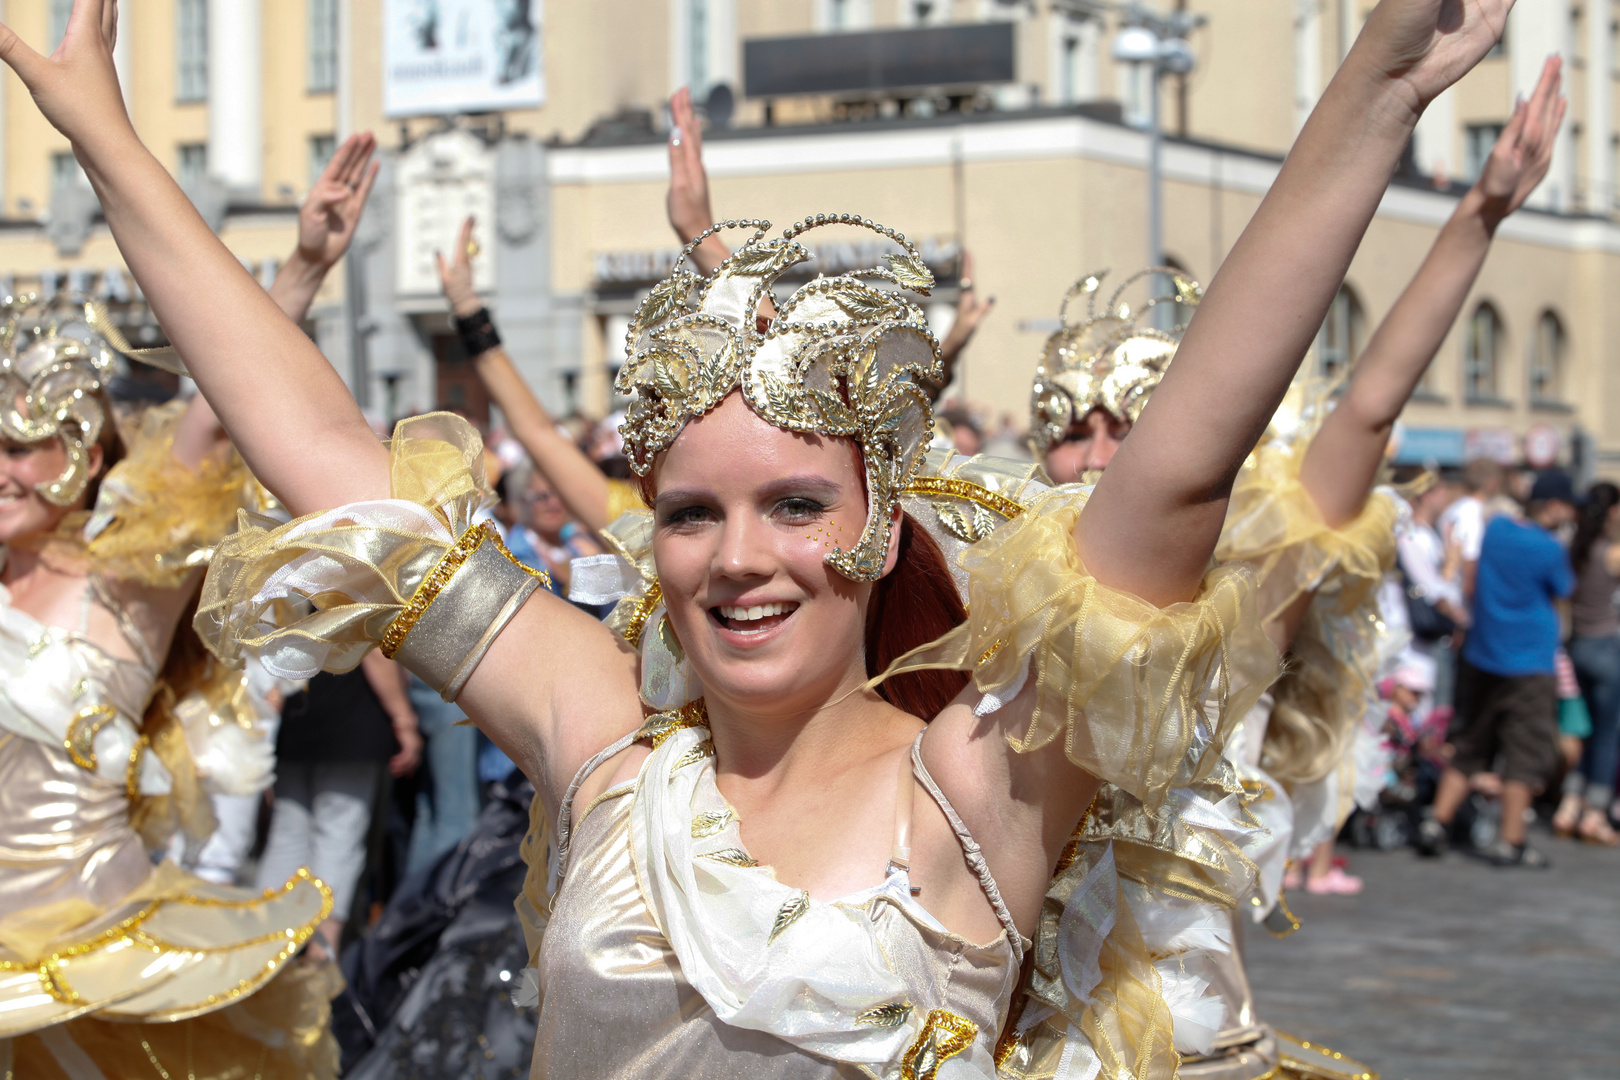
x=843 y=357
x=1111 y=360
x=54 y=360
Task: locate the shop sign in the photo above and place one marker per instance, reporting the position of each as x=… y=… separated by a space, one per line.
x=1498 y=444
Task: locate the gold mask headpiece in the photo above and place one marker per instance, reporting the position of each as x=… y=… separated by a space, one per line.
x=55 y=358
x=843 y=357
x=1112 y=359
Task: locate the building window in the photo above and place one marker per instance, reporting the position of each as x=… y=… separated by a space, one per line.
x=323 y=32
x=1547 y=361
x=1075 y=60
x=192 y=164
x=837 y=16
x=697 y=47
x=65 y=171
x=1338 y=344
x=1478 y=142
x=191 y=50
x=321 y=149
x=61 y=10
x=1482 y=348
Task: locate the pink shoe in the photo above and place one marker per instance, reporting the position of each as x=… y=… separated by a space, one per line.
x=1334 y=883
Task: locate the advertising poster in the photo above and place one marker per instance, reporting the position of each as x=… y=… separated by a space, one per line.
x=461 y=56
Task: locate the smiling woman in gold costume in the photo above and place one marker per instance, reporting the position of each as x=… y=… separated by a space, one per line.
x=760 y=864
x=115 y=723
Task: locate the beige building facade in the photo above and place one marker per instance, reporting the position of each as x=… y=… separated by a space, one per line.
x=1038 y=169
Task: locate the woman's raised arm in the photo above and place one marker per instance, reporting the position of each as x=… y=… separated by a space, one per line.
x=1154 y=519
x=288 y=412
x=1343 y=458
x=326 y=224
x=581 y=485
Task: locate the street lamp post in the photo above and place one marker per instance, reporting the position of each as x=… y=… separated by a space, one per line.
x=1159 y=43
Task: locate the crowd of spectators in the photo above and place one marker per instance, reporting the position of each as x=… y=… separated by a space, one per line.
x=1505 y=705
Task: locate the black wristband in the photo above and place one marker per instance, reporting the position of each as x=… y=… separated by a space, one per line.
x=477 y=333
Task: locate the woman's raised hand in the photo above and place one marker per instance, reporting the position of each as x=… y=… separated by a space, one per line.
x=1523 y=152
x=1428 y=45
x=456 y=274
x=688 y=200
x=76 y=87
x=331 y=212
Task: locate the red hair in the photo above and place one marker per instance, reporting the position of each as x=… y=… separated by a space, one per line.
x=912 y=605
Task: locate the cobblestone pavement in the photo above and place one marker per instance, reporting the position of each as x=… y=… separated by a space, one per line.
x=1456 y=970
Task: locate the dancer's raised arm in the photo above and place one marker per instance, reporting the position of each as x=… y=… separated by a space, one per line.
x=289 y=413
x=1158 y=510
x=326 y=224
x=1343 y=459
x=581 y=485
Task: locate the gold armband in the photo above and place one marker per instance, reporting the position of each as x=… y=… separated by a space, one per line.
x=459 y=608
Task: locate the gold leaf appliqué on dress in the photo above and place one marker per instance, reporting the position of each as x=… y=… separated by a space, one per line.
x=891 y=1015
x=791 y=912
x=693 y=756
x=710 y=822
x=944 y=1035
x=731 y=857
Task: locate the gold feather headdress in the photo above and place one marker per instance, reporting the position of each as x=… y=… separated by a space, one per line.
x=56 y=356
x=54 y=361
x=844 y=356
x=1112 y=359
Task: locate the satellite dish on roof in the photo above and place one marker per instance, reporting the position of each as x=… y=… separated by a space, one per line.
x=719 y=105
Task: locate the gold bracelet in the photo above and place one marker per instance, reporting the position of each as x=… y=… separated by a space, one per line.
x=436 y=580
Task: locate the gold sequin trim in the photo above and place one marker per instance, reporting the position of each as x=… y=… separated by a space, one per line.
x=644 y=609
x=1316 y=1069
x=129 y=933
x=995 y=647
x=1290 y=921
x=660 y=726
x=132 y=771
x=944 y=1035
x=82 y=731
x=430 y=586
x=966 y=490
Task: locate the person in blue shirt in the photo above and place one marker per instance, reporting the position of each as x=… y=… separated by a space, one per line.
x=1507 y=701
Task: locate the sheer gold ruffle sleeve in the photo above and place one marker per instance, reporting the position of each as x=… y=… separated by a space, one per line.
x=155 y=521
x=1274 y=527
x=1143 y=698
x=1122 y=682
x=318 y=592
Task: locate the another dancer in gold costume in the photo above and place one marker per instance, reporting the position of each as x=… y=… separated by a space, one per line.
x=1305 y=516
x=115 y=723
x=781 y=568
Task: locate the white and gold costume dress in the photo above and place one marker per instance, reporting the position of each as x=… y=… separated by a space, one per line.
x=111 y=966
x=660 y=947
x=1295 y=769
